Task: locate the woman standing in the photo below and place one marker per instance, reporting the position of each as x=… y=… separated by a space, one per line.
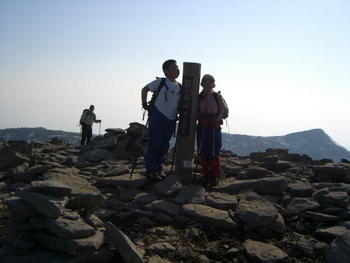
x=209 y=141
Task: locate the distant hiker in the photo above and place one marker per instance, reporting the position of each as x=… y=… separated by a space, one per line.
x=86 y=120
x=162 y=114
x=212 y=110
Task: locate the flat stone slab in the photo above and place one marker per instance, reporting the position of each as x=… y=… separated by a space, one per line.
x=135 y=181
x=46 y=205
x=17 y=206
x=300 y=204
x=263 y=252
x=67 y=228
x=123 y=244
x=255 y=211
x=193 y=194
x=76 y=183
x=124 y=169
x=209 y=215
x=169 y=185
x=333 y=231
x=71 y=246
x=339 y=250
x=221 y=200
x=163 y=206
x=88 y=200
x=320 y=217
x=49 y=187
x=272 y=186
x=301 y=189
x=332 y=198
x=255 y=172
x=162 y=247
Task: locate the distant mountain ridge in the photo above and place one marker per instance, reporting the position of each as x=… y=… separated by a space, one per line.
x=314 y=143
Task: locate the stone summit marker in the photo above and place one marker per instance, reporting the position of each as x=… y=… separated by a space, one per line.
x=187 y=124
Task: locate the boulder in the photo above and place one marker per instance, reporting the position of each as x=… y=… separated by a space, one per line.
x=263 y=252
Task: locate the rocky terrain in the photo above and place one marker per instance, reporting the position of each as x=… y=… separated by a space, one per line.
x=60 y=203
x=314 y=143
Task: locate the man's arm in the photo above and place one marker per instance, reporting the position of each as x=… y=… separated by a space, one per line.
x=144 y=92
x=96 y=121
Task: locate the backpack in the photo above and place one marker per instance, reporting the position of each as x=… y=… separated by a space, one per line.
x=83 y=116
x=156 y=93
x=217 y=97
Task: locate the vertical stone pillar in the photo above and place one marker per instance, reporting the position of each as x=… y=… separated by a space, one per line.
x=188 y=114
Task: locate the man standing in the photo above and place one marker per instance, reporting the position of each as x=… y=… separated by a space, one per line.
x=162 y=112
x=87 y=119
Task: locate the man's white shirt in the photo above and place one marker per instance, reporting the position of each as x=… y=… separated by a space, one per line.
x=168 y=99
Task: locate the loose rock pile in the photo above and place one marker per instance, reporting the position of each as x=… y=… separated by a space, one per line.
x=61 y=204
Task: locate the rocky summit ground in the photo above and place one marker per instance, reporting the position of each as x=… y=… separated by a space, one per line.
x=60 y=203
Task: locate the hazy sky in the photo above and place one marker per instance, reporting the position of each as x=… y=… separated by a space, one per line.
x=282 y=66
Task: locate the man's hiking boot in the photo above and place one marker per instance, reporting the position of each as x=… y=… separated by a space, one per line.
x=214 y=181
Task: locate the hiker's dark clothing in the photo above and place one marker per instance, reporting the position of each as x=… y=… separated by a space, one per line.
x=160 y=130
x=86 y=133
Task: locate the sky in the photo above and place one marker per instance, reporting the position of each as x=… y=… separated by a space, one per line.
x=282 y=66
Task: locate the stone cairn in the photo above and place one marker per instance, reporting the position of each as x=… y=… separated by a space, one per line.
x=61 y=203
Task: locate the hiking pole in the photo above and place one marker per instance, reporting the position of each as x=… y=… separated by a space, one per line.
x=99 y=128
x=173 y=161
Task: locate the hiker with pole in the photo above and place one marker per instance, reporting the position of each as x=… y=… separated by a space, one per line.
x=86 y=120
x=162 y=115
x=212 y=110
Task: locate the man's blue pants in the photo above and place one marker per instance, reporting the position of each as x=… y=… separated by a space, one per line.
x=160 y=130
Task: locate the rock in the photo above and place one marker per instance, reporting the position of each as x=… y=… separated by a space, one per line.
x=116 y=131
x=301 y=189
x=120 y=152
x=278 y=225
x=272 y=186
x=49 y=187
x=193 y=194
x=17 y=206
x=136 y=181
x=12 y=160
x=46 y=205
x=123 y=244
x=71 y=246
x=221 y=200
x=144 y=198
x=162 y=247
x=211 y=216
x=88 y=201
x=77 y=184
x=163 y=206
x=279 y=166
x=332 y=232
x=329 y=198
x=157 y=259
x=121 y=170
x=107 y=142
x=127 y=194
x=339 y=250
x=69 y=228
x=263 y=252
x=255 y=211
x=300 y=204
x=314 y=216
x=309 y=245
x=31 y=174
x=95 y=156
x=255 y=172
x=168 y=186
x=93 y=220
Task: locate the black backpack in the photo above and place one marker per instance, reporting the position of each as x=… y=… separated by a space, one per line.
x=156 y=93
x=83 y=116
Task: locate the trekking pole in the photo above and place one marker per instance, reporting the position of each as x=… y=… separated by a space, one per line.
x=99 y=129
x=173 y=161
